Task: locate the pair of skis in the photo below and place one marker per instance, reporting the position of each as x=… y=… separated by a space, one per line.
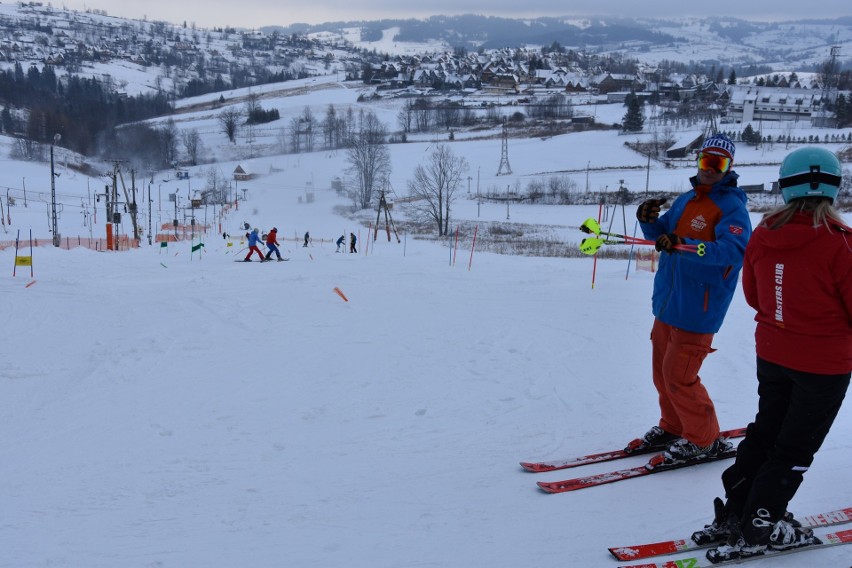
x=654 y=465
x=821 y=524
x=590 y=245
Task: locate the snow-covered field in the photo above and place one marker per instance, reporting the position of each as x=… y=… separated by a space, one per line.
x=168 y=409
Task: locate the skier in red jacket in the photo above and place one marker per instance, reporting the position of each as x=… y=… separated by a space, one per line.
x=797 y=275
x=272 y=244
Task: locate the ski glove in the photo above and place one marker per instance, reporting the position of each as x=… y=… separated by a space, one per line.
x=649 y=210
x=668 y=242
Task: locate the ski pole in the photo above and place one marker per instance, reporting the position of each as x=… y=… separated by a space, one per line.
x=591 y=245
x=592 y=227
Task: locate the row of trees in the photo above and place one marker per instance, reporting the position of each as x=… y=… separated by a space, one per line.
x=38 y=105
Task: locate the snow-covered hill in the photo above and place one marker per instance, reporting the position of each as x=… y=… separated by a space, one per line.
x=164 y=407
x=171 y=407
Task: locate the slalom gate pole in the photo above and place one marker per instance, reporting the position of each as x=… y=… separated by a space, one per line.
x=15 y=266
x=369 y=230
x=472 y=246
x=595 y=263
x=31 y=254
x=632 y=245
x=456 y=245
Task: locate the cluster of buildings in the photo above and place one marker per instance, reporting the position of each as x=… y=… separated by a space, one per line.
x=502 y=72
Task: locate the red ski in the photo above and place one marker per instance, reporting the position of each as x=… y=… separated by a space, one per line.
x=654 y=465
x=538 y=467
x=827 y=539
x=640 y=551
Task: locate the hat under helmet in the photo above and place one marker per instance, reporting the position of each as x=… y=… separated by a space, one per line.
x=719 y=144
x=809 y=172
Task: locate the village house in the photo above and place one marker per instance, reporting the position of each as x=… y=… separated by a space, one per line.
x=749 y=103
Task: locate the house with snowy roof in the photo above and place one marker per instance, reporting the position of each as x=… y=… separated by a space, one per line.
x=749 y=103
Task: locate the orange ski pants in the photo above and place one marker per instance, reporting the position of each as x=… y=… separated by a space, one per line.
x=685 y=407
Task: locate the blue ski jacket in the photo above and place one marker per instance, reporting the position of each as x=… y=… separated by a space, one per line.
x=693 y=292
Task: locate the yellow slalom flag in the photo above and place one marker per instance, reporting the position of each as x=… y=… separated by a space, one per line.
x=23 y=261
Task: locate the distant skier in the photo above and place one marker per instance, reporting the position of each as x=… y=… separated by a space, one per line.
x=352 y=241
x=340 y=242
x=307 y=238
x=253 y=241
x=272 y=244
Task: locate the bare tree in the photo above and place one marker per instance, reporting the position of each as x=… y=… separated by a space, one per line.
x=424 y=114
x=192 y=144
x=252 y=106
x=329 y=127
x=307 y=129
x=405 y=116
x=295 y=136
x=217 y=187
x=435 y=184
x=168 y=138
x=368 y=158
x=230 y=119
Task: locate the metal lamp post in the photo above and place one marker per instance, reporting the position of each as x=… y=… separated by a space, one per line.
x=56 y=239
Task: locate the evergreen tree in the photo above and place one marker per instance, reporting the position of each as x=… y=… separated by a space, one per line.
x=732 y=78
x=843 y=111
x=751 y=136
x=633 y=119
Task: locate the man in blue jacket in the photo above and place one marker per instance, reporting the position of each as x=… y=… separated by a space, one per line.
x=692 y=292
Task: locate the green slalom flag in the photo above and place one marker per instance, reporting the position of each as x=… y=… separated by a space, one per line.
x=197 y=247
x=164 y=244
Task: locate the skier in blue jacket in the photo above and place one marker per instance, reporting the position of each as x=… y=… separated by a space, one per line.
x=253 y=242
x=692 y=292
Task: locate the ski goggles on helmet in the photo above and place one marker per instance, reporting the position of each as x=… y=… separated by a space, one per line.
x=714 y=162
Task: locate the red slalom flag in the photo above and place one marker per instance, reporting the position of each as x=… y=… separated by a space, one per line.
x=339 y=293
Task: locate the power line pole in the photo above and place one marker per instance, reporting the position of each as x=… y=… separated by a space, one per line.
x=53 y=218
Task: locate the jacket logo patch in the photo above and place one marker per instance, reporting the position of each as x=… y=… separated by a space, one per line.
x=735 y=230
x=698 y=224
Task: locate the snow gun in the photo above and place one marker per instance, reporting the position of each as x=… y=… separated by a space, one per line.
x=590 y=245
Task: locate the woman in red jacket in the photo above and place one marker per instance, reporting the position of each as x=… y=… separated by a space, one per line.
x=797 y=275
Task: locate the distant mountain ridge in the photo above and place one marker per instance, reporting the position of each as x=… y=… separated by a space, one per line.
x=738 y=41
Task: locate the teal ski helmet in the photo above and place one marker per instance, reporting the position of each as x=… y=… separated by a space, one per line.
x=809 y=172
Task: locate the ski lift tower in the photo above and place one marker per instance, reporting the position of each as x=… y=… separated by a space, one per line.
x=504 y=168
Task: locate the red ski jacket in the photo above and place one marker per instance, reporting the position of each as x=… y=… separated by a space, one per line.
x=799 y=279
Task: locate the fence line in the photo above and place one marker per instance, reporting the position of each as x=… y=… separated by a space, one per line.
x=67 y=243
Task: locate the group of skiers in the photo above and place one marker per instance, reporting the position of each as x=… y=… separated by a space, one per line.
x=271 y=239
x=797 y=275
x=254 y=240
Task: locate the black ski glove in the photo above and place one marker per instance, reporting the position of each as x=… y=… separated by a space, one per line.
x=649 y=210
x=668 y=242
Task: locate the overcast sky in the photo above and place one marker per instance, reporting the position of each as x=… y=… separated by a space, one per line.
x=259 y=13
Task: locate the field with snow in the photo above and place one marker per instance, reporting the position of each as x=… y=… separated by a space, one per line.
x=164 y=408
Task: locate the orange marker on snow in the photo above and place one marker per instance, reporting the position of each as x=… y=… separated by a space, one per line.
x=339 y=293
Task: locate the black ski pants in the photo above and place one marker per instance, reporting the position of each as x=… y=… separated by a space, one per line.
x=795 y=413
